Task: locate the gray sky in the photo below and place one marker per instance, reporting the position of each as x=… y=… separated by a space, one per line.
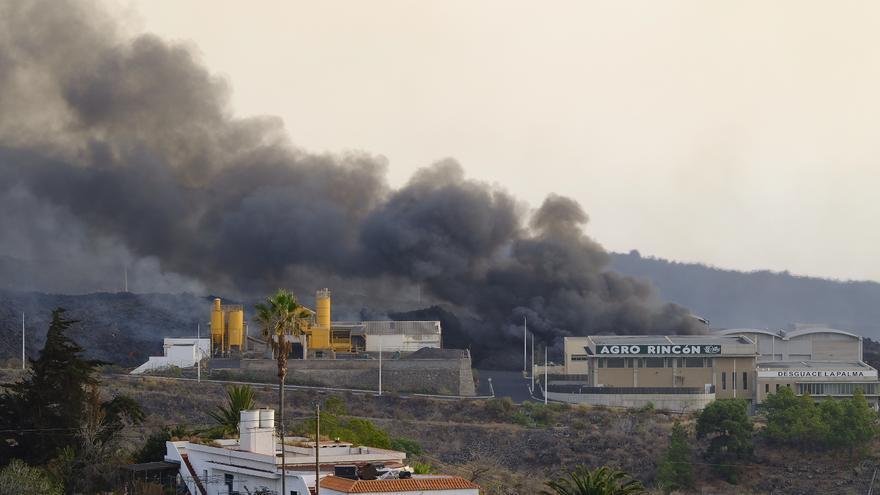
x=740 y=134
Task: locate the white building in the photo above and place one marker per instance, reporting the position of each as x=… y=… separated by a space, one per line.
x=415 y=485
x=253 y=463
x=183 y=353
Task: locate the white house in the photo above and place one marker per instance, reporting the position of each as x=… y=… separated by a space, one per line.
x=183 y=353
x=252 y=464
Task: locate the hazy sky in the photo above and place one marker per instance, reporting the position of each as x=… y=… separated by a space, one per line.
x=740 y=134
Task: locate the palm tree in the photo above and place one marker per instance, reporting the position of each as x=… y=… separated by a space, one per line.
x=281 y=317
x=599 y=481
x=238 y=398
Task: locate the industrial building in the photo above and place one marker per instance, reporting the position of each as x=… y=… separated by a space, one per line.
x=326 y=338
x=178 y=352
x=683 y=373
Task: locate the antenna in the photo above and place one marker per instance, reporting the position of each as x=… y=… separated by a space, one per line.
x=23 y=359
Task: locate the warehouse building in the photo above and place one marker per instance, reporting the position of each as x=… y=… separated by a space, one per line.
x=675 y=372
x=682 y=373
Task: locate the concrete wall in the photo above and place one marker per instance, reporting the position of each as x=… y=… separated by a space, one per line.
x=669 y=402
x=430 y=376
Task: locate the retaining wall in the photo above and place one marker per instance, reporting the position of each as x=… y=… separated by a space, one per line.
x=669 y=402
x=429 y=376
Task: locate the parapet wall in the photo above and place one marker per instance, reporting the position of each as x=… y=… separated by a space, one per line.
x=430 y=376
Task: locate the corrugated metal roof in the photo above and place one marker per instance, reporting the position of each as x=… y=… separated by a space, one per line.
x=666 y=339
x=397 y=485
x=402 y=327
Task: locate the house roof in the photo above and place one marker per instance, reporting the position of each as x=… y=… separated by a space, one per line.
x=422 y=483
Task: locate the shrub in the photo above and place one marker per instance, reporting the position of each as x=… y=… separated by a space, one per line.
x=410 y=446
x=18 y=477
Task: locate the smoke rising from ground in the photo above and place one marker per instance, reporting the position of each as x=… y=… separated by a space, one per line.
x=121 y=151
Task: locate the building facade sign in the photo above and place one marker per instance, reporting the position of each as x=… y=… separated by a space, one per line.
x=818 y=374
x=658 y=350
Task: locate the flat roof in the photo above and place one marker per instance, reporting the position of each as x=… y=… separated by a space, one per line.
x=667 y=339
x=814 y=365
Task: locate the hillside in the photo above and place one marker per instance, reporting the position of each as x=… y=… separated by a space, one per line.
x=510 y=449
x=125 y=328
x=761 y=299
x=120 y=328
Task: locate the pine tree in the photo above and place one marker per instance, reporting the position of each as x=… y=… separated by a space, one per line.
x=47 y=406
x=726 y=423
x=676 y=471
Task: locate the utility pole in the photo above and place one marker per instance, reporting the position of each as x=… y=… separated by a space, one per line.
x=532 y=372
x=380 y=365
x=317 y=448
x=525 y=344
x=125 y=278
x=199 y=352
x=546 y=375
x=23 y=359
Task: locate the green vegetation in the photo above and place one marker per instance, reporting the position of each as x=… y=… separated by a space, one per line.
x=408 y=445
x=599 y=481
x=55 y=416
x=238 y=398
x=799 y=422
x=422 y=468
x=18 y=477
x=676 y=472
x=530 y=414
x=154 y=447
x=729 y=429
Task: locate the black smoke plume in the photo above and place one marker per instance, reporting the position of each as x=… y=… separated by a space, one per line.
x=118 y=151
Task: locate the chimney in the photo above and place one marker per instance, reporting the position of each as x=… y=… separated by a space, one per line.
x=257 y=428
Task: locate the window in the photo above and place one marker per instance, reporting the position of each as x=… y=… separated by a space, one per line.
x=693 y=362
x=710 y=362
x=723 y=380
x=766 y=388
x=777 y=387
x=228 y=480
x=601 y=362
x=733 y=381
x=614 y=362
x=745 y=381
x=579 y=357
x=653 y=362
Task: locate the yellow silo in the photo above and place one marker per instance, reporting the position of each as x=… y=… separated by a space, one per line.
x=218 y=329
x=235 y=326
x=320 y=333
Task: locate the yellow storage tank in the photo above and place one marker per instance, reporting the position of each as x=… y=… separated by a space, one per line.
x=218 y=329
x=319 y=335
x=235 y=326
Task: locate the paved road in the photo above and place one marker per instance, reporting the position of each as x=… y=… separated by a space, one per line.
x=506 y=384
